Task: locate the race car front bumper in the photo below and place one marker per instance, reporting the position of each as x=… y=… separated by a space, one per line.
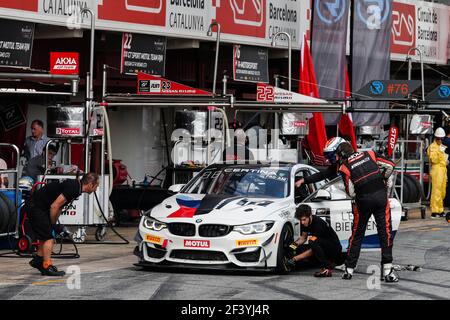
x=250 y=251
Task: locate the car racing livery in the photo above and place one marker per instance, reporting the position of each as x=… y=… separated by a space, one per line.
x=243 y=215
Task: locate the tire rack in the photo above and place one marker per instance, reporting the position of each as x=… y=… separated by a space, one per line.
x=16 y=188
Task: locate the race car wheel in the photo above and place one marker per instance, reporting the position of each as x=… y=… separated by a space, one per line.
x=447 y=217
x=286 y=238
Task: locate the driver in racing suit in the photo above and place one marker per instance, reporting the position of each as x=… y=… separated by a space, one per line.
x=364 y=175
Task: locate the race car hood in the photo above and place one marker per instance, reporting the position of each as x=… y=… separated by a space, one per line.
x=223 y=209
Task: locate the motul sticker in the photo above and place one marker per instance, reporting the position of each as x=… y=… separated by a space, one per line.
x=153 y=239
x=64 y=62
x=197 y=244
x=68 y=131
x=247 y=243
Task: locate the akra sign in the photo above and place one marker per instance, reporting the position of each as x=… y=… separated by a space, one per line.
x=64 y=63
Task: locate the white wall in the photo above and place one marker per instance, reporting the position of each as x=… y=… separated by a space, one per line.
x=136 y=139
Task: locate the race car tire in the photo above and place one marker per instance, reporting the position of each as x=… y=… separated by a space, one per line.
x=416 y=191
x=286 y=238
x=406 y=189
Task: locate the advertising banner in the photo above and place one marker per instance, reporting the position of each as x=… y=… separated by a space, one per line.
x=153 y=85
x=268 y=93
x=64 y=62
x=247 y=22
x=143 y=53
x=372 y=25
x=420 y=24
x=16 y=43
x=250 y=64
x=328 y=44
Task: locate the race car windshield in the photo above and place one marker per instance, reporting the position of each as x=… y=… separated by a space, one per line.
x=249 y=182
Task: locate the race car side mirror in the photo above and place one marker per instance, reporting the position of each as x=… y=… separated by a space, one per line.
x=176 y=188
x=322 y=195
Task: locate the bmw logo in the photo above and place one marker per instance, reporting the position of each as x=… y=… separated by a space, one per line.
x=198 y=220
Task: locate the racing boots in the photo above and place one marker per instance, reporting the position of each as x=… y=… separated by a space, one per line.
x=323 y=273
x=388 y=273
x=348 y=273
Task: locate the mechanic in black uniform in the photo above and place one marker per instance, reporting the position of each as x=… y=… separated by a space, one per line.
x=44 y=209
x=364 y=177
x=323 y=242
x=332 y=171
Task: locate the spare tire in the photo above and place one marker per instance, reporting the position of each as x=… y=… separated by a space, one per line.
x=416 y=189
x=7 y=214
x=408 y=188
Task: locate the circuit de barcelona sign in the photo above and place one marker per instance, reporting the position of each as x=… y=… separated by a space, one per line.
x=247 y=22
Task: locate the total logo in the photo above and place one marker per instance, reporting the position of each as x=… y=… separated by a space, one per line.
x=197 y=244
x=68 y=131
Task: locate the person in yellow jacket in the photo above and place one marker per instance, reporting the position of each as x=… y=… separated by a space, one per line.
x=438 y=160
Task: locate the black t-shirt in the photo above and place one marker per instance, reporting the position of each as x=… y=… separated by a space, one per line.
x=322 y=230
x=44 y=197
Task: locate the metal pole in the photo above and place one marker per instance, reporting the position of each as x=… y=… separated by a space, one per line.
x=105 y=78
x=276 y=127
x=408 y=58
x=216 y=62
x=90 y=96
x=289 y=55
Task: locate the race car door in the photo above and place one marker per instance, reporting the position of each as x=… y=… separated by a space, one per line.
x=332 y=203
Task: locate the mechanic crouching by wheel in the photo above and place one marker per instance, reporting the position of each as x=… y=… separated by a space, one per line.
x=364 y=176
x=323 y=243
x=44 y=209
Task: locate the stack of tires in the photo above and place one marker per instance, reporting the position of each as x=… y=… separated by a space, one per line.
x=8 y=214
x=412 y=190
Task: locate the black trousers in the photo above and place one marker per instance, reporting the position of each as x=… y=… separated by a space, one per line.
x=365 y=205
x=325 y=252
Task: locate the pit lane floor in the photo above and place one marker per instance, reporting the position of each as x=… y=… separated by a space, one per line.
x=107 y=272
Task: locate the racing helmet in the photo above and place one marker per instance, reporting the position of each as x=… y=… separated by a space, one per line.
x=330 y=148
x=26 y=183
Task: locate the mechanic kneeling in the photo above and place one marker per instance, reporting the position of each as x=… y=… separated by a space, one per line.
x=44 y=209
x=323 y=244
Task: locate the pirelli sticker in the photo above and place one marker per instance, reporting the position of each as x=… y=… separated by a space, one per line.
x=247 y=243
x=153 y=239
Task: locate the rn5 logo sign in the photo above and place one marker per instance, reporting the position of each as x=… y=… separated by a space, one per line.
x=64 y=63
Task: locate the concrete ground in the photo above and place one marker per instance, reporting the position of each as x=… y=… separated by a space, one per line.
x=107 y=272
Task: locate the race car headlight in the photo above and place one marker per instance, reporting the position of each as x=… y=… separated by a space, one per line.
x=252 y=228
x=154 y=224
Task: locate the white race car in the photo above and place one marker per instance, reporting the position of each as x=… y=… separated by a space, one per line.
x=233 y=215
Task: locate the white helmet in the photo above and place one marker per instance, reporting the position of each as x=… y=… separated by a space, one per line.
x=330 y=148
x=439 y=133
x=333 y=144
x=26 y=183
